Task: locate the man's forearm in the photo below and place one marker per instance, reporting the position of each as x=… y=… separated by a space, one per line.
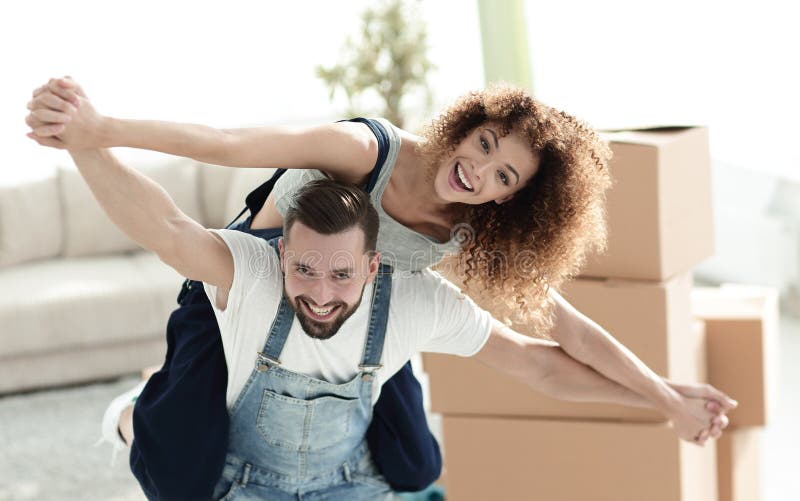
x=134 y=203
x=568 y=379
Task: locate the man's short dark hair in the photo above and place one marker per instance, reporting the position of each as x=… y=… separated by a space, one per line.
x=328 y=207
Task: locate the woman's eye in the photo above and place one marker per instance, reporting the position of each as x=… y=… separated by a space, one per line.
x=484 y=145
x=503 y=177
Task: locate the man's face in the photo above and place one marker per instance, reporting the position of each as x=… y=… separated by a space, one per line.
x=325 y=276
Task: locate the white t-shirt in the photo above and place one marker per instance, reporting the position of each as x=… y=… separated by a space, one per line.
x=426 y=313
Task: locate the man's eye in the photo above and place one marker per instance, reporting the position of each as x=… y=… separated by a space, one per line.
x=303 y=270
x=342 y=276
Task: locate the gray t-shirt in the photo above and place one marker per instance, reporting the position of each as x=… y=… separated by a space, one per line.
x=400 y=246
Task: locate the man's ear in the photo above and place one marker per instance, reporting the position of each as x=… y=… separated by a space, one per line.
x=504 y=199
x=280 y=250
x=374 y=264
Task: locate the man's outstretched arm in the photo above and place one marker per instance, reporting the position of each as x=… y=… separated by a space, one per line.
x=145 y=212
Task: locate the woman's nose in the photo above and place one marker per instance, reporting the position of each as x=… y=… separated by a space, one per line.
x=481 y=168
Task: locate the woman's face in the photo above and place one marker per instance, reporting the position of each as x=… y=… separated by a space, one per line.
x=486 y=167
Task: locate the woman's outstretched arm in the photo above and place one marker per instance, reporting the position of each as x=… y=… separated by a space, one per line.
x=346 y=150
x=587 y=342
x=546 y=367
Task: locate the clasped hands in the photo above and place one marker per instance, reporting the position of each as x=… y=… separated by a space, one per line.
x=62 y=117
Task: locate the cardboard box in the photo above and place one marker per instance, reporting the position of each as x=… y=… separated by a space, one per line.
x=739 y=464
x=521 y=459
x=652 y=319
x=742 y=336
x=659 y=208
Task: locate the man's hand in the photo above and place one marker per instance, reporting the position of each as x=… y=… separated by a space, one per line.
x=62 y=117
x=701 y=412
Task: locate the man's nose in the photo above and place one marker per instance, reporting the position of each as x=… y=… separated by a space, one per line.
x=321 y=291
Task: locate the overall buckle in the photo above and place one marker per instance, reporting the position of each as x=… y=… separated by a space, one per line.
x=264 y=362
x=368 y=371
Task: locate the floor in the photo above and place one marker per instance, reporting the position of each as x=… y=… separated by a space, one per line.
x=47 y=438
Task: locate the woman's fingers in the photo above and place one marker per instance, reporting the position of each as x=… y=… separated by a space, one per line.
x=64 y=93
x=701 y=437
x=47 y=141
x=51 y=116
x=68 y=83
x=722 y=421
x=51 y=101
x=714 y=394
x=32 y=122
x=48 y=130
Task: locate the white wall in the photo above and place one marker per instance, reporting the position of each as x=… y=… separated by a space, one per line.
x=224 y=64
x=731 y=65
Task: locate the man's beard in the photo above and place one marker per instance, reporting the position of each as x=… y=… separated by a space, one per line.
x=323 y=330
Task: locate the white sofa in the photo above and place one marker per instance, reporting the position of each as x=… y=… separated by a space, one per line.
x=78 y=300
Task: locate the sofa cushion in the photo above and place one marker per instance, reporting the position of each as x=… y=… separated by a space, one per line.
x=88 y=231
x=101 y=361
x=214 y=182
x=30 y=220
x=72 y=303
x=244 y=181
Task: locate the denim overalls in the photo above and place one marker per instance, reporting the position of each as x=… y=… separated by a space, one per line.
x=295 y=437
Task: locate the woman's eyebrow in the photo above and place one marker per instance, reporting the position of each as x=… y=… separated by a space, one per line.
x=497 y=147
x=494 y=136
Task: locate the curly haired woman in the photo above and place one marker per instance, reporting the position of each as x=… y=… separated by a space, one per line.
x=510 y=187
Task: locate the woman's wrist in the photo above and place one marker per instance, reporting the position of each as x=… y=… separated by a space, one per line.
x=111 y=132
x=666 y=399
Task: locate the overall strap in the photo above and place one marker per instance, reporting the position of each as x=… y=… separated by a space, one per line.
x=378 y=318
x=279 y=330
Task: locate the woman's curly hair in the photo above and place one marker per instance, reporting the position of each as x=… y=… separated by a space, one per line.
x=515 y=251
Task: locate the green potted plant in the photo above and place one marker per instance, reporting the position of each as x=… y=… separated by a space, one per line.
x=389 y=59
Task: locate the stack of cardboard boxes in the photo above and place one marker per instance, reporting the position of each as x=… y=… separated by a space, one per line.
x=742 y=336
x=503 y=441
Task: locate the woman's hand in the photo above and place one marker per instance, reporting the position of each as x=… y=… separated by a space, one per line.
x=701 y=411
x=62 y=117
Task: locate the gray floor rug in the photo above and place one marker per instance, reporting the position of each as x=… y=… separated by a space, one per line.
x=47 y=447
